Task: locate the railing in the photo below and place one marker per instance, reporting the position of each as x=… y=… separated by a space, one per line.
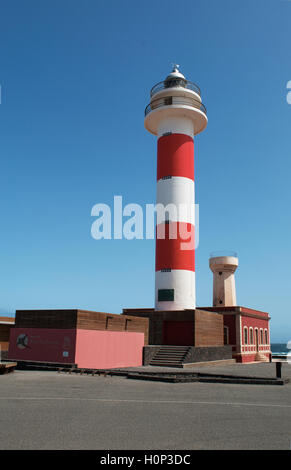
x=216 y=254
x=173 y=101
x=177 y=82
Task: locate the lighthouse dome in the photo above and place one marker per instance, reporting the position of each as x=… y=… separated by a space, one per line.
x=175 y=78
x=175 y=73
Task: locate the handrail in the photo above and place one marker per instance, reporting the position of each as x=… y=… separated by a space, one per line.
x=180 y=83
x=220 y=253
x=168 y=101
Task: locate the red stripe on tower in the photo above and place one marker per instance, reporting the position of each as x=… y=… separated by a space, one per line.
x=175 y=156
x=175 y=246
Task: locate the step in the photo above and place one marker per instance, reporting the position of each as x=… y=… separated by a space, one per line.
x=162 y=364
x=173 y=359
x=180 y=353
x=261 y=358
x=165 y=362
x=170 y=355
x=177 y=351
x=156 y=359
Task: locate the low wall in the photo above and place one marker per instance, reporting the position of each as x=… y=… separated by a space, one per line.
x=42 y=344
x=211 y=353
x=3 y=355
x=88 y=349
x=148 y=353
x=108 y=349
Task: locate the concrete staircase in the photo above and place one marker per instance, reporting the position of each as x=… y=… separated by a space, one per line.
x=170 y=356
x=260 y=357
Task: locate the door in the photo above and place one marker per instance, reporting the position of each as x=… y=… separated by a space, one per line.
x=178 y=333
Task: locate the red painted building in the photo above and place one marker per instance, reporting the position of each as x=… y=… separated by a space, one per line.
x=247 y=331
x=89 y=340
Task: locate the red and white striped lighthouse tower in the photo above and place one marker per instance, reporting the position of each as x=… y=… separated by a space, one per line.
x=175 y=114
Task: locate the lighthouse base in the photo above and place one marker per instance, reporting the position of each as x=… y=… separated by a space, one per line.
x=246 y=331
x=195 y=327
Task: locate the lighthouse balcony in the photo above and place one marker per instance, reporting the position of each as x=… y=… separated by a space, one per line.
x=175 y=106
x=175 y=101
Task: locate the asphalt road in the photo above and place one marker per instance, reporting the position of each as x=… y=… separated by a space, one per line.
x=47 y=410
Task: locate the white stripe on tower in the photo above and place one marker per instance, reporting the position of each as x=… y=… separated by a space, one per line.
x=178 y=194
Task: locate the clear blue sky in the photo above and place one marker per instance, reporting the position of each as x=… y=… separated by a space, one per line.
x=75 y=78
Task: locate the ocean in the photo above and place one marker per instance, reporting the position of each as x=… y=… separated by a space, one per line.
x=279 y=348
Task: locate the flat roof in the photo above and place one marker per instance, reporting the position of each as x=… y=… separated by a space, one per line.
x=237 y=309
x=7 y=320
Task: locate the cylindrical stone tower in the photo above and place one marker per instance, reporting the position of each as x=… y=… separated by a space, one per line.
x=223 y=266
x=175 y=114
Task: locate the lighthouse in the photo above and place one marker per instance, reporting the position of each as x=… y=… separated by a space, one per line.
x=175 y=115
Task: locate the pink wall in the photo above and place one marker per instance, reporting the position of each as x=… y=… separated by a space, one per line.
x=42 y=344
x=96 y=349
x=87 y=348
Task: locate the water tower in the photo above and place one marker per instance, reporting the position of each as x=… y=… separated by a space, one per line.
x=223 y=265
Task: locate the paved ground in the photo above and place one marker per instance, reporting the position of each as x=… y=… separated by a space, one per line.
x=47 y=410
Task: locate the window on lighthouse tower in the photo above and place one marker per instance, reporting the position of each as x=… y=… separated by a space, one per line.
x=165 y=295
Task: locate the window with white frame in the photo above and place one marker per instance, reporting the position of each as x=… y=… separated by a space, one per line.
x=266 y=337
x=251 y=336
x=245 y=335
x=257 y=337
x=262 y=336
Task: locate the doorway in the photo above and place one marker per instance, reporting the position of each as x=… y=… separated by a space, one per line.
x=178 y=333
